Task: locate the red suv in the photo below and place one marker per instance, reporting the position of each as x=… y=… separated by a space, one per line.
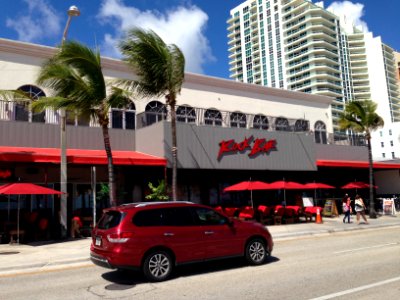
x=155 y=237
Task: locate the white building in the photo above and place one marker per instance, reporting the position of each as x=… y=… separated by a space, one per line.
x=299 y=45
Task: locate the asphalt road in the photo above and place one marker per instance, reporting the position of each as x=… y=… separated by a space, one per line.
x=361 y=265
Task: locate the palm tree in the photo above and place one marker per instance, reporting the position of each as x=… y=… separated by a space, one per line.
x=74 y=75
x=160 y=69
x=361 y=116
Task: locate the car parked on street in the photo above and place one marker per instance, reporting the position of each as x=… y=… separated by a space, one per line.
x=157 y=236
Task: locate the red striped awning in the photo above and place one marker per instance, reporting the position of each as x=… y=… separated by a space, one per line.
x=78 y=156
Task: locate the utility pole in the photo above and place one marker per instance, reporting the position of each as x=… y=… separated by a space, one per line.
x=73 y=11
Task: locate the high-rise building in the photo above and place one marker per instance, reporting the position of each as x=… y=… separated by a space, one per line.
x=301 y=46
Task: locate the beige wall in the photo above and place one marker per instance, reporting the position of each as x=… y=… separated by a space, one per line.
x=21 y=62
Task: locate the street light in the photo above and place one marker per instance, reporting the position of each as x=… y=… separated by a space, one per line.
x=73 y=11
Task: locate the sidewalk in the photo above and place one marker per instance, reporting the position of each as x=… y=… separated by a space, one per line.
x=37 y=257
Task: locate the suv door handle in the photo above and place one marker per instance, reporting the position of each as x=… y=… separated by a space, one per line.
x=169 y=234
x=208 y=232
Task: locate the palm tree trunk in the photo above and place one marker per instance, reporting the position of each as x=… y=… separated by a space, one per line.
x=174 y=151
x=372 y=213
x=111 y=179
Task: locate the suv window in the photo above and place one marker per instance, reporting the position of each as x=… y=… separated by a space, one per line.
x=209 y=217
x=171 y=216
x=110 y=219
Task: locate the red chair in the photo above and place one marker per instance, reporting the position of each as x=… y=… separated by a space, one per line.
x=231 y=211
x=246 y=213
x=278 y=214
x=265 y=214
x=289 y=215
x=219 y=209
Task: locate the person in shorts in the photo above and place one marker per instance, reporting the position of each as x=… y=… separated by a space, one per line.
x=360 y=209
x=346 y=208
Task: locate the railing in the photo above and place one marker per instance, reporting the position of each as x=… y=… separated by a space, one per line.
x=129 y=120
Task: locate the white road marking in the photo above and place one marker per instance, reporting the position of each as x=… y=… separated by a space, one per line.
x=364 y=248
x=358 y=289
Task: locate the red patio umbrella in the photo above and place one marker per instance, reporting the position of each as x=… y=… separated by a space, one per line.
x=25 y=189
x=285 y=185
x=317 y=185
x=357 y=185
x=247 y=186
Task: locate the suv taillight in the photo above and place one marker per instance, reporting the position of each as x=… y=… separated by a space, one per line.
x=121 y=237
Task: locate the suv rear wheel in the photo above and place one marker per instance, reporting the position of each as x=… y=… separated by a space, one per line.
x=157 y=265
x=256 y=251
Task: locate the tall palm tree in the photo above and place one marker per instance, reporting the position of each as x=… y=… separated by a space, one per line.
x=74 y=75
x=160 y=69
x=361 y=116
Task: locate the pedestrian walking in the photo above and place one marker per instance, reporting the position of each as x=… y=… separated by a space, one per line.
x=346 y=208
x=360 y=209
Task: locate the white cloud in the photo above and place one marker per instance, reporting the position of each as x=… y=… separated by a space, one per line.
x=183 y=26
x=38 y=21
x=350 y=12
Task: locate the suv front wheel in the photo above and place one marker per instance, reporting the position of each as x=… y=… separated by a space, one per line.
x=157 y=265
x=256 y=251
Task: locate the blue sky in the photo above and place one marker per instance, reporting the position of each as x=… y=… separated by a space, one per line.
x=198 y=27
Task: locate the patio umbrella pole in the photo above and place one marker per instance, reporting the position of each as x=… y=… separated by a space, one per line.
x=8 y=208
x=18 y=219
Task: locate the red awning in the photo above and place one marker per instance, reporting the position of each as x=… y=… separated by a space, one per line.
x=78 y=156
x=356 y=164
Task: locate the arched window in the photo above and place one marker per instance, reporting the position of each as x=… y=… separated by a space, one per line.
x=282 y=124
x=320 y=132
x=260 y=122
x=22 y=108
x=238 y=120
x=301 y=125
x=155 y=112
x=212 y=117
x=185 y=114
x=123 y=118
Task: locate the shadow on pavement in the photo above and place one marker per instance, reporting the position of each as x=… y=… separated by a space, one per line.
x=52 y=242
x=125 y=279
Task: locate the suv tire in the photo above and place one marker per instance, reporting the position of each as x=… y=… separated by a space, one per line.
x=256 y=251
x=158 y=265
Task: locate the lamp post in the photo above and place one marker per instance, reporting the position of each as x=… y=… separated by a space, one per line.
x=73 y=11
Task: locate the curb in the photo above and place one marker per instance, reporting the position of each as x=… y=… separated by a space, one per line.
x=45 y=264
x=293 y=235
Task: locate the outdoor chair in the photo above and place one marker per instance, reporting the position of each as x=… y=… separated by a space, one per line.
x=231 y=211
x=289 y=215
x=265 y=214
x=219 y=209
x=278 y=214
x=246 y=213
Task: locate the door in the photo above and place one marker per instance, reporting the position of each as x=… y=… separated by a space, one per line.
x=220 y=236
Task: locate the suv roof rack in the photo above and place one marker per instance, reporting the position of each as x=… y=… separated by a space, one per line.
x=142 y=204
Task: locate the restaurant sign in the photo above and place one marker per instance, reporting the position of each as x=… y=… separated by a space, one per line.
x=255 y=146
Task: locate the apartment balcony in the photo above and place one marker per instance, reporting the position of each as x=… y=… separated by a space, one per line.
x=362 y=94
x=232 y=56
x=235 y=67
x=234 y=48
x=330 y=92
x=359 y=69
x=233 y=19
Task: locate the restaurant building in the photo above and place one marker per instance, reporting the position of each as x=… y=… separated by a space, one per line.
x=226 y=132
